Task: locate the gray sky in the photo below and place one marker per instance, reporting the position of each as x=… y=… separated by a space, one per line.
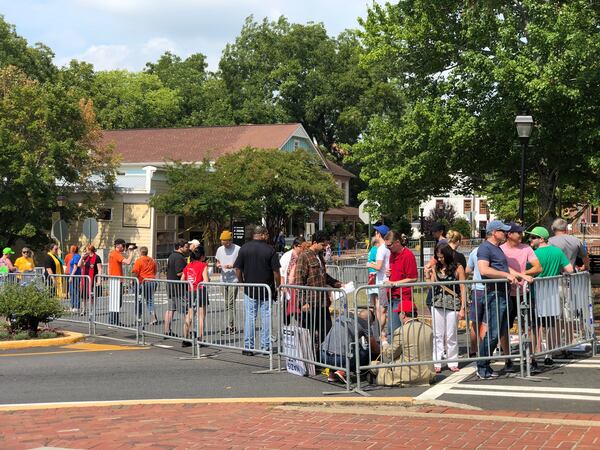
x=125 y=34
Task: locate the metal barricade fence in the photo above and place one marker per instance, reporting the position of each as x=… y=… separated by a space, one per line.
x=556 y=315
x=334 y=271
x=73 y=291
x=312 y=335
x=237 y=316
x=456 y=322
x=23 y=278
x=166 y=309
x=116 y=302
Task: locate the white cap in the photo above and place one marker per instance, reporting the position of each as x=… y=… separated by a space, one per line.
x=195 y=242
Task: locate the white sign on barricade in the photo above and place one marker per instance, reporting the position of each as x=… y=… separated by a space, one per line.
x=114 y=295
x=297 y=342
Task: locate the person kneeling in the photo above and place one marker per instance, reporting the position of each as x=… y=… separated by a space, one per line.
x=412 y=342
x=339 y=344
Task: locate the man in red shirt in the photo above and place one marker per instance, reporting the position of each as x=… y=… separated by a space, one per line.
x=403 y=269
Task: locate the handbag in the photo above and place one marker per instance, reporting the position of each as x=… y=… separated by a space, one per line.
x=445 y=298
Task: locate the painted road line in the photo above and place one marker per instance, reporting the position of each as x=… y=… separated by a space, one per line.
x=503 y=387
x=442 y=387
x=552 y=396
x=79 y=348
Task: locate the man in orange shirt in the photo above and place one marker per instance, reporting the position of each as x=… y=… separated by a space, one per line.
x=145 y=269
x=115 y=269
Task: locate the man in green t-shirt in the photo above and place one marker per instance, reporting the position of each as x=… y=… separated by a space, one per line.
x=548 y=294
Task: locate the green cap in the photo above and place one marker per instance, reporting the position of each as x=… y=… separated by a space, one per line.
x=540 y=232
x=8 y=251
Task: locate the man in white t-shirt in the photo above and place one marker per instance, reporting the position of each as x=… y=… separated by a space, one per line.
x=226 y=255
x=381 y=265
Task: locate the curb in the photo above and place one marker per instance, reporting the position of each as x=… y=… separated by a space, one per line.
x=69 y=337
x=279 y=401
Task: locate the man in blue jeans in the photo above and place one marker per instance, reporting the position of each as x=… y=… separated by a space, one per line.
x=257 y=263
x=492 y=264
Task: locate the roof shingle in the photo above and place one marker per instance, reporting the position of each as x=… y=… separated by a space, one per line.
x=154 y=145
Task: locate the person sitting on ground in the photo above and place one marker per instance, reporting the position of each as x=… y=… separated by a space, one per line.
x=413 y=342
x=339 y=343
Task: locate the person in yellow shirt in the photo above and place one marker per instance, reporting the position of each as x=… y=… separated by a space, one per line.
x=25 y=262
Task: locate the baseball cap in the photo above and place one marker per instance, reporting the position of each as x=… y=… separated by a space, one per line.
x=406 y=306
x=540 y=232
x=195 y=242
x=496 y=225
x=515 y=228
x=8 y=251
x=226 y=235
x=382 y=229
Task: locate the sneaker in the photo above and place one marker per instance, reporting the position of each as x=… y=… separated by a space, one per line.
x=533 y=367
x=186 y=344
x=548 y=361
x=509 y=367
x=486 y=374
x=247 y=353
x=340 y=376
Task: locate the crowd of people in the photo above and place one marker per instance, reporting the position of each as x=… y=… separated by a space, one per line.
x=389 y=327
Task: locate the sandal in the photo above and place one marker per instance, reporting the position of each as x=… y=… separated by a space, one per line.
x=454 y=369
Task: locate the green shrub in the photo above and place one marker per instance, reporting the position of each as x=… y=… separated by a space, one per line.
x=463 y=226
x=21 y=336
x=27 y=306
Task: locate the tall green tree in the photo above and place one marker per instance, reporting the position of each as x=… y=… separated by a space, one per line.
x=251 y=183
x=35 y=61
x=50 y=147
x=134 y=100
x=187 y=77
x=282 y=72
x=467 y=69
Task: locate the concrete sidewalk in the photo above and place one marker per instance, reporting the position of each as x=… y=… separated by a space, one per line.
x=287 y=426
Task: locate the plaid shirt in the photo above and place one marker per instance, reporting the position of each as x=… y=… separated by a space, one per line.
x=310 y=271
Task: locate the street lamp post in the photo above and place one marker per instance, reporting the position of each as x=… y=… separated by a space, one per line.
x=524 y=126
x=422 y=239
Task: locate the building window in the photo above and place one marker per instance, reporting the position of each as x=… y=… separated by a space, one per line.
x=439 y=204
x=296 y=144
x=467 y=205
x=483 y=208
x=105 y=214
x=595 y=215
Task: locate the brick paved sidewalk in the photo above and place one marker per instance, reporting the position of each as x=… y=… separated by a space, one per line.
x=253 y=426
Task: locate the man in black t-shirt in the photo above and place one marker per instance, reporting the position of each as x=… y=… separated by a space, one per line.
x=258 y=263
x=175 y=291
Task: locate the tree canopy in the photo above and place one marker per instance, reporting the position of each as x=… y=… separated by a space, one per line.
x=253 y=184
x=282 y=72
x=467 y=69
x=50 y=147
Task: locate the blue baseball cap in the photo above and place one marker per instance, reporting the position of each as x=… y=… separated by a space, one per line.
x=515 y=228
x=382 y=229
x=496 y=225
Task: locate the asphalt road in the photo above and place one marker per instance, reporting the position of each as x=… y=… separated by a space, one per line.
x=60 y=375
x=114 y=368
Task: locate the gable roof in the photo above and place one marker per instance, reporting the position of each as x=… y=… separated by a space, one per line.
x=156 y=145
x=338 y=170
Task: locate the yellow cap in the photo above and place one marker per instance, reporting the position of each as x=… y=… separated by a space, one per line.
x=226 y=235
